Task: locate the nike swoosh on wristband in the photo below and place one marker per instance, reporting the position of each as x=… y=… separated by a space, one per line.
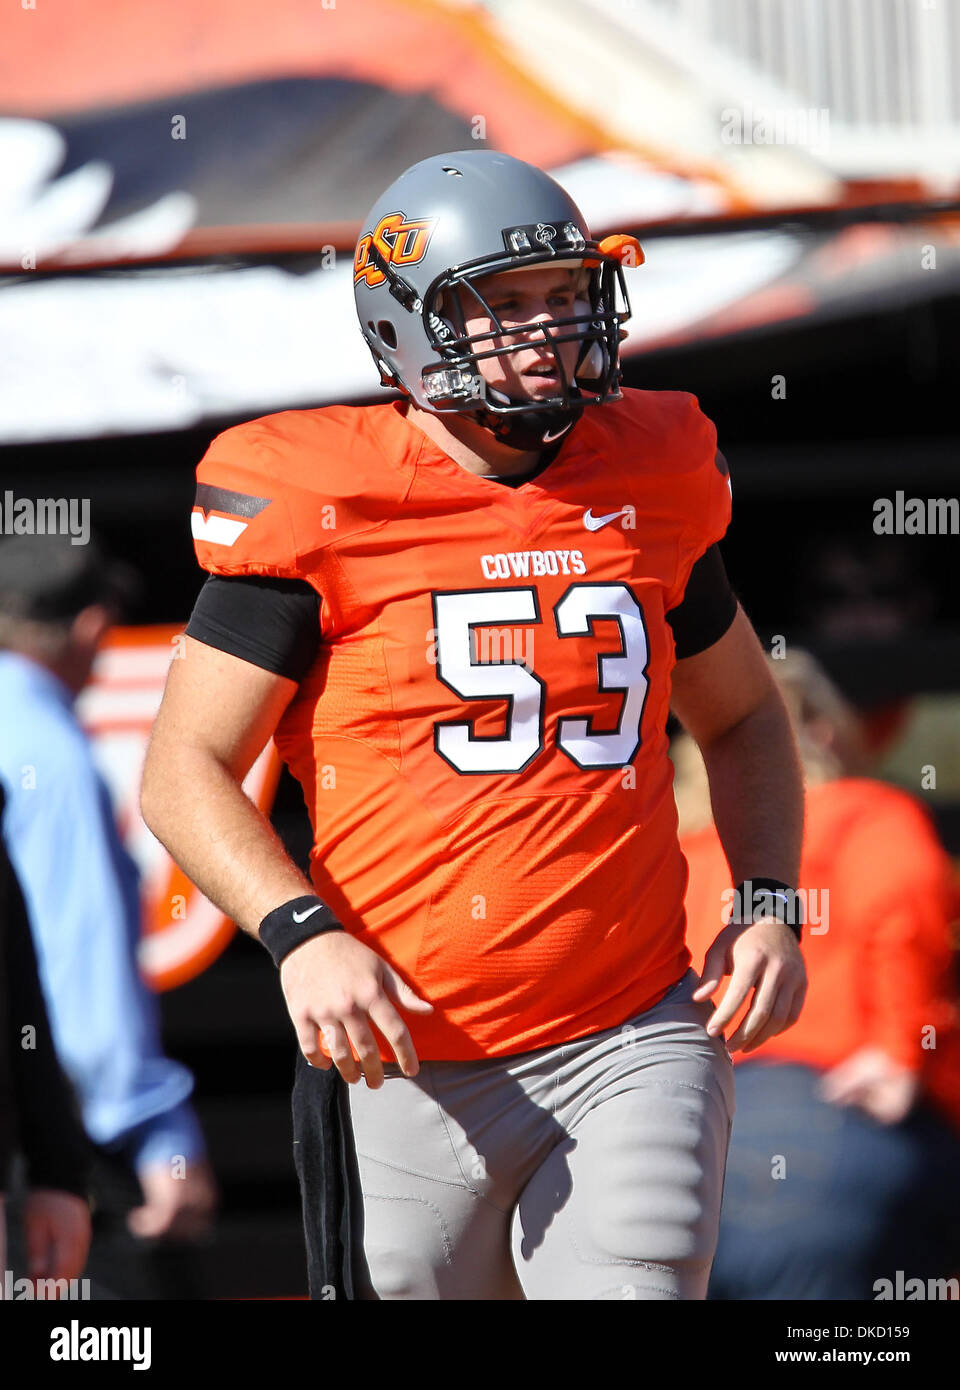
x=302 y=916
x=593 y=523
x=552 y=438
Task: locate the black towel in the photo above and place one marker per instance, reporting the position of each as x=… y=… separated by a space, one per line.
x=326 y=1163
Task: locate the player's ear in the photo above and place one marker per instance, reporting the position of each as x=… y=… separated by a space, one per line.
x=91 y=624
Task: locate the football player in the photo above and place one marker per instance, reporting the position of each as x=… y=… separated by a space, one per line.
x=463 y=614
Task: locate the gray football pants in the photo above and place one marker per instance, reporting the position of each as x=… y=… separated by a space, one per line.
x=589 y=1170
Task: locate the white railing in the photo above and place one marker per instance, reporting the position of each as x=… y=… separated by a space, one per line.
x=875 y=65
x=876 y=82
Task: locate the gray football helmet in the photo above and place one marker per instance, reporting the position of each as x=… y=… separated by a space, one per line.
x=441 y=226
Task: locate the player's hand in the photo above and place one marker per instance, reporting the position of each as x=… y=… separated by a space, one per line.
x=765 y=957
x=56 y=1229
x=335 y=983
x=872 y=1079
x=177 y=1207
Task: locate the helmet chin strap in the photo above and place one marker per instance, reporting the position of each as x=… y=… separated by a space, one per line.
x=528 y=429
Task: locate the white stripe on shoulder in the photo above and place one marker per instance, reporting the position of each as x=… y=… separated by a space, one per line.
x=221 y=530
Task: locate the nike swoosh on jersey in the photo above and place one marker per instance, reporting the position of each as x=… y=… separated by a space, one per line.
x=593 y=523
x=302 y=916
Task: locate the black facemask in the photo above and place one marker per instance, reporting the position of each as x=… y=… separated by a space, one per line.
x=530 y=429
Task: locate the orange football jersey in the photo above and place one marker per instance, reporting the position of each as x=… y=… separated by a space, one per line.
x=481 y=742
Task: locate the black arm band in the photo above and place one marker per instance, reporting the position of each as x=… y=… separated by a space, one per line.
x=767 y=897
x=708 y=607
x=293 y=923
x=272 y=623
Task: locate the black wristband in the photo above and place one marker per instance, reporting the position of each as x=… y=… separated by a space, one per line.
x=293 y=923
x=767 y=897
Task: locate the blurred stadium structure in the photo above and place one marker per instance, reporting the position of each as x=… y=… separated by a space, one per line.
x=226 y=168
x=180 y=193
x=884 y=75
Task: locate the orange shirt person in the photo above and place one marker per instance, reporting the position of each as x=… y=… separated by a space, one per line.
x=881 y=1015
x=860 y=1100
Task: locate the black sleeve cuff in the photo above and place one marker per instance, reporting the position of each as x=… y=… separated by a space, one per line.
x=708 y=607
x=272 y=623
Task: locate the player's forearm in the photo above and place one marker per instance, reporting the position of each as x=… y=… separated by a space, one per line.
x=221 y=841
x=756 y=788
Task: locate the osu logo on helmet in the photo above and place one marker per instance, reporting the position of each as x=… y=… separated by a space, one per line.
x=399 y=241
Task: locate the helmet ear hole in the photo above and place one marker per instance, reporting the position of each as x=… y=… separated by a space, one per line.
x=388 y=334
x=591 y=366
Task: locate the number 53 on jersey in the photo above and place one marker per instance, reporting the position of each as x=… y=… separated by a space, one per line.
x=461 y=614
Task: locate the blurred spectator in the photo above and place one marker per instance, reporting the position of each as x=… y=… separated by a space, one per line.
x=855 y=592
x=153 y=1190
x=845 y=1149
x=863 y=589
x=38 y=1119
